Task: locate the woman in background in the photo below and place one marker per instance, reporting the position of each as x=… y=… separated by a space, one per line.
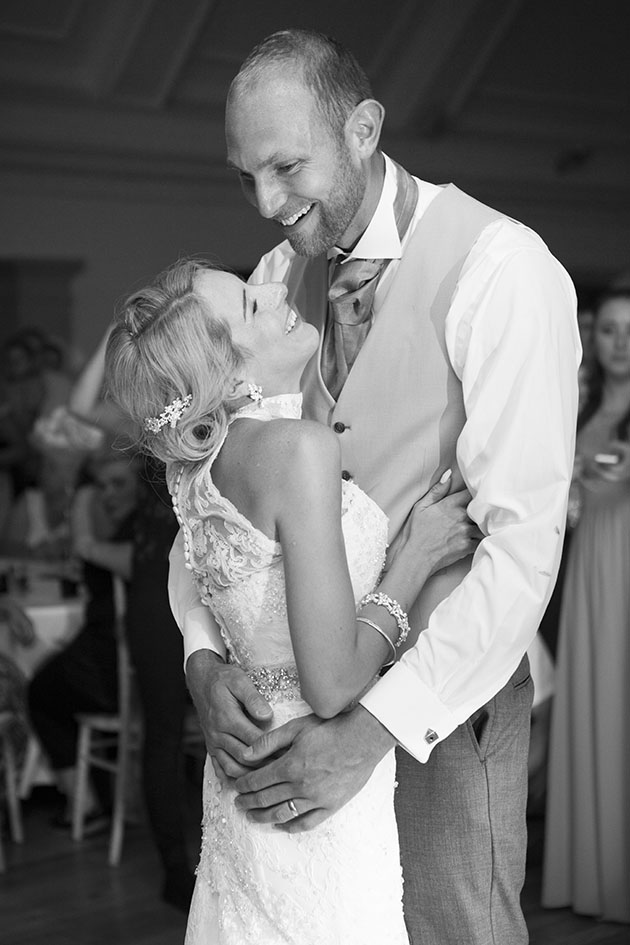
x=587 y=840
x=83 y=676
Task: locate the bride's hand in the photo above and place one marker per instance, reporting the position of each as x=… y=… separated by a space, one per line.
x=437 y=530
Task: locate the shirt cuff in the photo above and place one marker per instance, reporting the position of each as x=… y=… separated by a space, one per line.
x=410 y=711
x=201 y=634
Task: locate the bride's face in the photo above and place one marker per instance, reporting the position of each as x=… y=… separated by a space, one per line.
x=279 y=341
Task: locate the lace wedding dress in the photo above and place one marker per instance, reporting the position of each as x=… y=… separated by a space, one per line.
x=341 y=882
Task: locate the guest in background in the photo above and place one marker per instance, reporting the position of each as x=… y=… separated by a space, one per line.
x=155 y=644
x=20 y=625
x=38 y=482
x=21 y=398
x=587 y=839
x=83 y=676
x=13 y=683
x=586 y=318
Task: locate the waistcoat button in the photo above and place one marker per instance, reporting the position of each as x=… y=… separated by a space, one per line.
x=339 y=427
x=345 y=474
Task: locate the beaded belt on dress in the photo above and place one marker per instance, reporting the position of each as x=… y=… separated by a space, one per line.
x=275 y=682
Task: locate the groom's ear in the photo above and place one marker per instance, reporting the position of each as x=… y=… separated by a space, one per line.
x=363 y=128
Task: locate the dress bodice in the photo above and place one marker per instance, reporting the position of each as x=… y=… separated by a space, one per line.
x=239 y=571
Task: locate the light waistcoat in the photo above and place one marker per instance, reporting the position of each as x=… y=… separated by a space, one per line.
x=401 y=409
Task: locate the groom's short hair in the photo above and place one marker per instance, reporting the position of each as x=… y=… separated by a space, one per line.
x=328 y=70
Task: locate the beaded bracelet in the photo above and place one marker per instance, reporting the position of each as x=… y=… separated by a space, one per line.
x=392 y=607
x=380 y=630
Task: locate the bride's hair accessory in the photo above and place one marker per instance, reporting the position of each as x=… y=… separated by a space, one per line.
x=171 y=414
x=255 y=393
x=393 y=608
x=380 y=630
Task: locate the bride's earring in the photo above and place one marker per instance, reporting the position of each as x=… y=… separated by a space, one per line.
x=255 y=393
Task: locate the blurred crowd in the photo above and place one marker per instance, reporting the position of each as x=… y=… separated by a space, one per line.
x=75 y=492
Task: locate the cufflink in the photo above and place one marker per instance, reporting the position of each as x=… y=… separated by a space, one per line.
x=430 y=736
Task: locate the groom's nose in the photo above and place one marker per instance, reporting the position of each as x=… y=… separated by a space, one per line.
x=270 y=198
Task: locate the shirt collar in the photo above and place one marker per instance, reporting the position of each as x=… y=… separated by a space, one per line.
x=381 y=239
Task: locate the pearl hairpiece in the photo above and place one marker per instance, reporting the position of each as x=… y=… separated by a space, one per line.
x=171 y=414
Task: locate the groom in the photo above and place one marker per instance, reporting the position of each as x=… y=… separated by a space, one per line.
x=449 y=340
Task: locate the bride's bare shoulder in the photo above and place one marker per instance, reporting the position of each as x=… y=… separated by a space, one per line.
x=277 y=469
x=289 y=449
x=297 y=433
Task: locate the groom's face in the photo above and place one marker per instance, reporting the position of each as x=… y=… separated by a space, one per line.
x=291 y=166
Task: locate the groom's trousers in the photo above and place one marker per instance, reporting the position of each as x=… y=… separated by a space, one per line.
x=462 y=827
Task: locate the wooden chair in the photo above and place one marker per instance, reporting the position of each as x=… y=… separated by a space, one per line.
x=109 y=742
x=7 y=752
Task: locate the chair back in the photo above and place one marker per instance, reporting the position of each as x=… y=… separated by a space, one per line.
x=125 y=671
x=99 y=732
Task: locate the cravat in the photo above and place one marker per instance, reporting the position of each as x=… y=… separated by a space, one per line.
x=351 y=294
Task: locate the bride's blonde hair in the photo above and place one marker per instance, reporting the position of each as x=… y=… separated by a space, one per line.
x=166 y=345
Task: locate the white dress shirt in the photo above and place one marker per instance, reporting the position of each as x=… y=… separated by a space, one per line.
x=512 y=339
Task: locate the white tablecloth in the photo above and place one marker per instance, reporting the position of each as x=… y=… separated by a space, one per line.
x=55 y=625
x=55 y=619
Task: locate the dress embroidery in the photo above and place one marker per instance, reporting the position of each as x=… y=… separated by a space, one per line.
x=342 y=882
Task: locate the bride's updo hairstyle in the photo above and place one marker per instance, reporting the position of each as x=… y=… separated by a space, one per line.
x=166 y=346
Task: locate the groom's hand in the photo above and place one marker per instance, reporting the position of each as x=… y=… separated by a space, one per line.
x=322 y=765
x=231 y=711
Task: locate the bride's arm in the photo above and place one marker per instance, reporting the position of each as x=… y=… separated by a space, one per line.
x=336 y=655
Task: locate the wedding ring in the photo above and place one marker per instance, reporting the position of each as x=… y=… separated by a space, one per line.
x=294 y=811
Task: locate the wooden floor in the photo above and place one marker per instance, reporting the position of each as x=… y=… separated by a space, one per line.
x=56 y=892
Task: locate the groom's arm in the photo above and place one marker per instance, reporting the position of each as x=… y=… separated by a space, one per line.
x=517 y=355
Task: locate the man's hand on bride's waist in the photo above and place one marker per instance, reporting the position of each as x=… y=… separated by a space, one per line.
x=231 y=711
x=321 y=766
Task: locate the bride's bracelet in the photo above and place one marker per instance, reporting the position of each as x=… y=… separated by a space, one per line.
x=393 y=608
x=380 y=630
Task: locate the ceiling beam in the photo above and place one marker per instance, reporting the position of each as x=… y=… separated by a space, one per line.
x=153 y=60
x=45 y=23
x=440 y=58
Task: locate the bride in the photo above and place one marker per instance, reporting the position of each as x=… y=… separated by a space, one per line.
x=286 y=555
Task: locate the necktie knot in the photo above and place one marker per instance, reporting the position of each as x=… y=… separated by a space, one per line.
x=351 y=296
x=352 y=289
